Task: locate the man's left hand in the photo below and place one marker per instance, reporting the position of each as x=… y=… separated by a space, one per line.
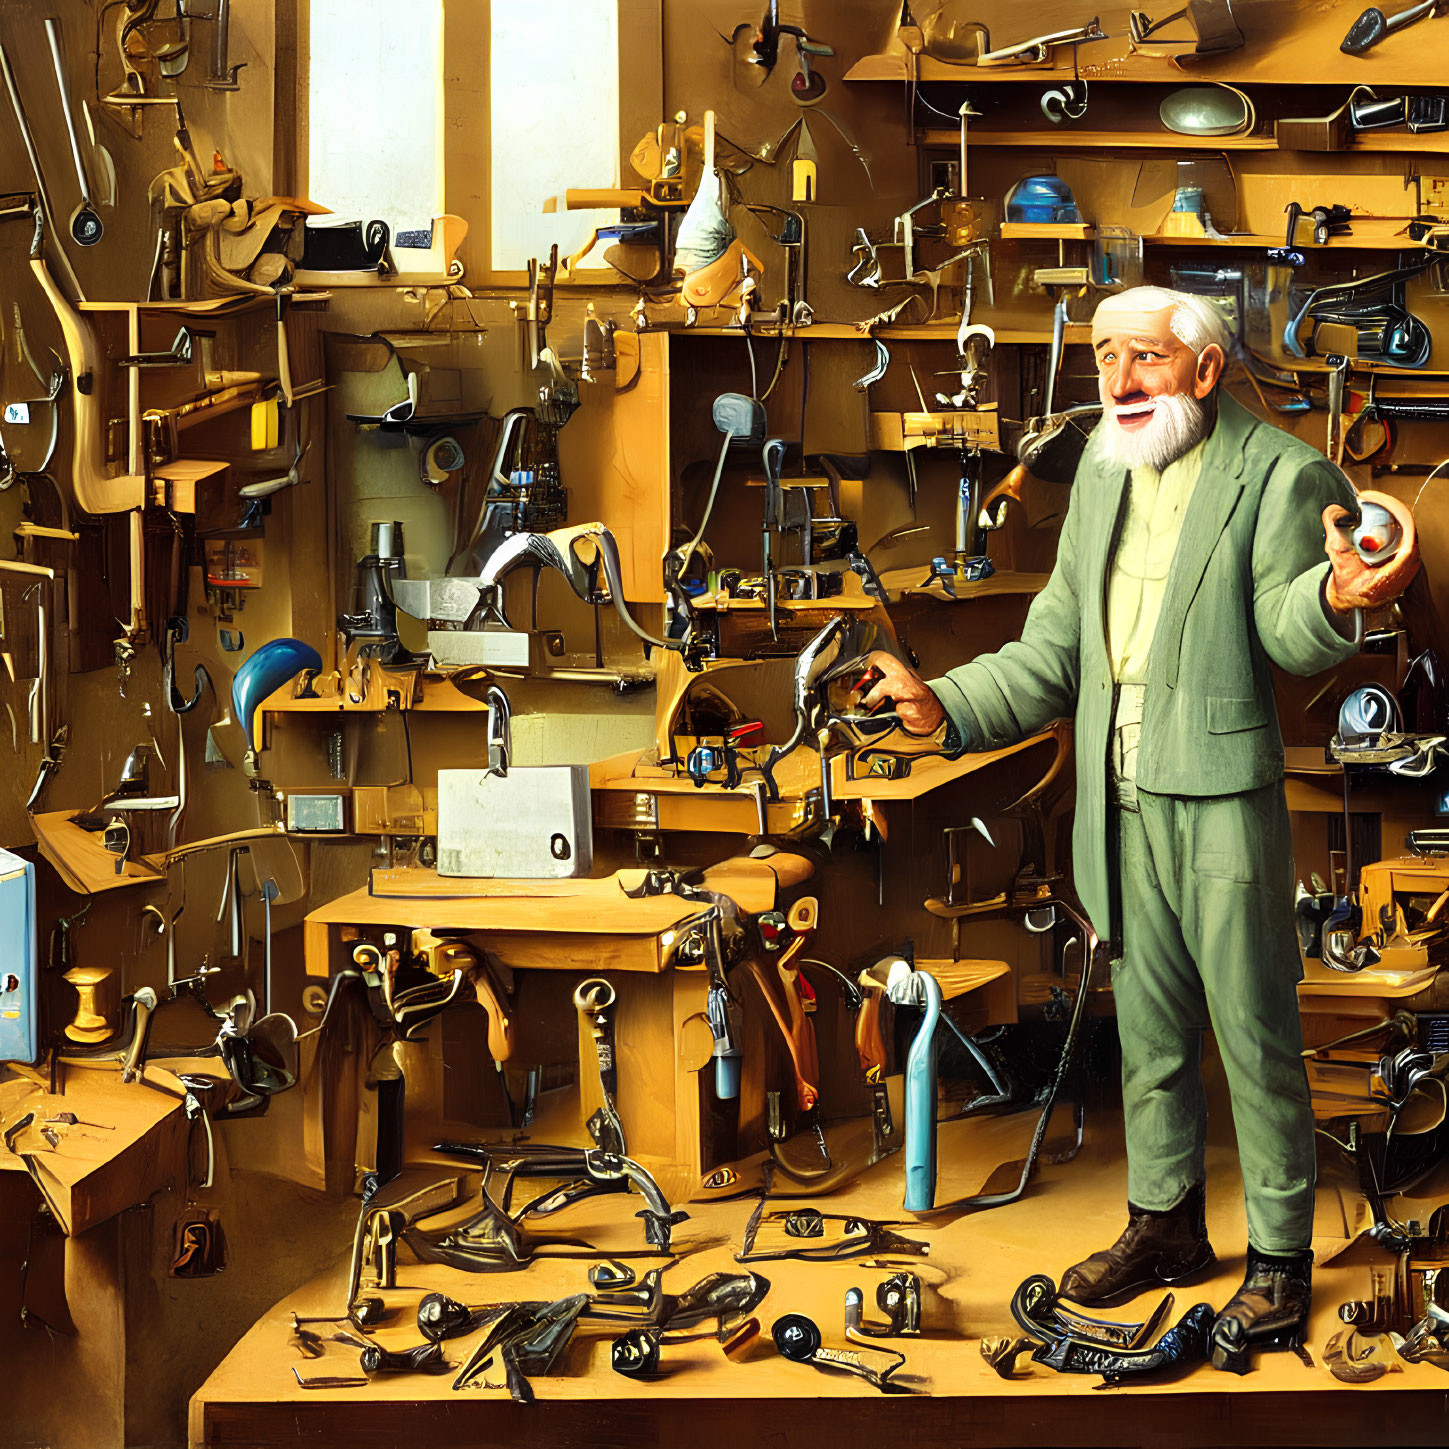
x=1353 y=584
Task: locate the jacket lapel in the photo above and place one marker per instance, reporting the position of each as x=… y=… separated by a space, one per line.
x=1097 y=559
x=1211 y=506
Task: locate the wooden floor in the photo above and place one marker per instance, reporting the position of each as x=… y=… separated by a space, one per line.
x=703 y=1400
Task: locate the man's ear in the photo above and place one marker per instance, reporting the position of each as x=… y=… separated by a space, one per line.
x=1210 y=364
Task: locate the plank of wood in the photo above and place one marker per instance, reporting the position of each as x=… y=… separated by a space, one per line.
x=957 y=978
x=82 y=861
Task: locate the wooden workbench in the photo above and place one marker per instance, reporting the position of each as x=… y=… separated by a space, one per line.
x=975 y=1263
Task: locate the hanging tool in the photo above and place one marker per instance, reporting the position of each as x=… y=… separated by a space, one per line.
x=223 y=75
x=722 y=1011
x=806 y=86
x=1054 y=363
x=1373 y=25
x=791 y=236
x=1337 y=390
x=85 y=223
x=772 y=522
x=594 y=1001
x=47 y=212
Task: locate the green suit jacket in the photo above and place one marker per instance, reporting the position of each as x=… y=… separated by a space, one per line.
x=1243 y=591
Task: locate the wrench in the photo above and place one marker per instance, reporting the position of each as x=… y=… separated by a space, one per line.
x=594 y=1001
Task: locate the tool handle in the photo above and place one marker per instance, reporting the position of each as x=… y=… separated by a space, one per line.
x=601 y=198
x=869 y=1040
x=52 y=32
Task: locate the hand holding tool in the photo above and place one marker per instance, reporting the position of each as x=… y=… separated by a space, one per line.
x=1357 y=581
x=915 y=702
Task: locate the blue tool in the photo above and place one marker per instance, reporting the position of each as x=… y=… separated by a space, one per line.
x=19 y=975
x=265 y=670
x=909 y=986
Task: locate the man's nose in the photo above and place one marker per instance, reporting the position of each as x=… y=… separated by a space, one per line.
x=1124 y=377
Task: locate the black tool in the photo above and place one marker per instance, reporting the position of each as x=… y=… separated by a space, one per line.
x=527 y=1338
x=441 y=1317
x=635 y=1354
x=426 y=1358
x=798 y=1339
x=1373 y=25
x=814 y=1236
x=497 y=1237
x=1418 y=113
x=899 y=1298
x=1081 y=1345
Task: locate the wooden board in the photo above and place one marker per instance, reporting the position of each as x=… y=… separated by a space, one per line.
x=975 y=1263
x=129 y=1142
x=1391 y=985
x=1287 y=42
x=83 y=863
x=958 y=978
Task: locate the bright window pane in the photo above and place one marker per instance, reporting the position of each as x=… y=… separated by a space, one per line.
x=555 y=104
x=376 y=111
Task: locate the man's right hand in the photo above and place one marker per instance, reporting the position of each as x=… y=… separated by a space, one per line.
x=914 y=700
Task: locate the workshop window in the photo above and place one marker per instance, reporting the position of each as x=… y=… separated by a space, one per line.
x=375 y=138
x=555 y=123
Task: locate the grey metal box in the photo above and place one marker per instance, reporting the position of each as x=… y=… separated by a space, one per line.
x=534 y=823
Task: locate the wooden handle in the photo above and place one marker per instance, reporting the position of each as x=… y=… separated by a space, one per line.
x=591 y=199
x=708 y=148
x=869 y=1041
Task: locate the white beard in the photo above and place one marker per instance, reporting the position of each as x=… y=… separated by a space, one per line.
x=1179 y=423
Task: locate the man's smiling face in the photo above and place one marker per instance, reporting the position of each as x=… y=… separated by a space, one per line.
x=1151 y=383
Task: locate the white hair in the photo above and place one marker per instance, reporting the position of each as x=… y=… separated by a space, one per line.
x=1195 y=322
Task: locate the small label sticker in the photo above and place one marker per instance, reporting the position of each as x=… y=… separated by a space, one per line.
x=17 y=412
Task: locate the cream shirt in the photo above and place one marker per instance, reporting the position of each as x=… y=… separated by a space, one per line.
x=1156 y=505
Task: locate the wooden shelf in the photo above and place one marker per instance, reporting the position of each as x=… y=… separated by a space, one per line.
x=205 y=306
x=944 y=331
x=1056 y=140
x=1369 y=234
x=1392 y=985
x=1288 y=43
x=1365 y=143
x=1047 y=231
x=913 y=582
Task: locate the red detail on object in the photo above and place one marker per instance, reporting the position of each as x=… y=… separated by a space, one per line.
x=751 y=732
x=1370 y=544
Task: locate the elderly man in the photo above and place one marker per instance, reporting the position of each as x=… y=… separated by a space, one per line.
x=1191 y=559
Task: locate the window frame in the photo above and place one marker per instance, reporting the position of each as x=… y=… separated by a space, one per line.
x=467 y=118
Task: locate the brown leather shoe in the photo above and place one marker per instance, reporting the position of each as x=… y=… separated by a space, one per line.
x=1155 y=1248
x=1270 y=1310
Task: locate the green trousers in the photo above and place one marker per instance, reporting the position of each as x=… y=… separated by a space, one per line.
x=1208 y=939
